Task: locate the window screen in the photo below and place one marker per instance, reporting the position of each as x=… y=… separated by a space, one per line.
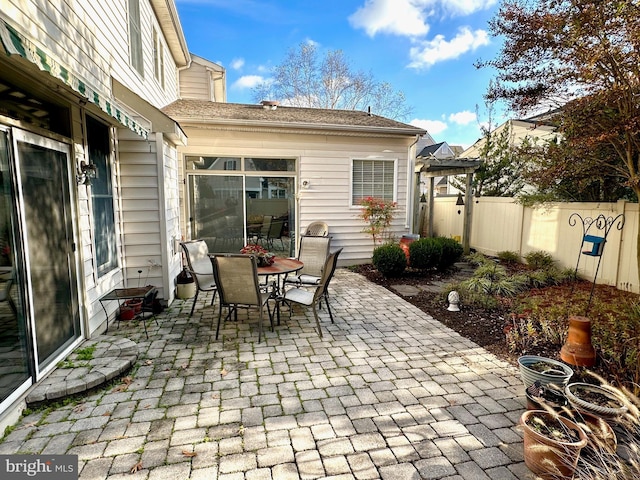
x=372 y=178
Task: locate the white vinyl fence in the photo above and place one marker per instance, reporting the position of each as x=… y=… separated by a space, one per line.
x=500 y=224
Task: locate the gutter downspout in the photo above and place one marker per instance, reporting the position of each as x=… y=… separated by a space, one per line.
x=411 y=193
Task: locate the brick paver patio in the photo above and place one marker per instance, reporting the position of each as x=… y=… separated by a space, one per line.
x=388 y=393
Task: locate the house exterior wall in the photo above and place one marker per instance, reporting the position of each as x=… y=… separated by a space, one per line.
x=325 y=161
x=500 y=224
x=195 y=84
x=92 y=39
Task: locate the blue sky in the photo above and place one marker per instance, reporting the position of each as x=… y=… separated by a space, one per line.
x=426 y=48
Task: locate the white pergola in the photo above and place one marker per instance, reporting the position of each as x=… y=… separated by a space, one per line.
x=433 y=167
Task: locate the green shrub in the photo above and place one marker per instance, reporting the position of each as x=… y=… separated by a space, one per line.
x=451 y=252
x=508 y=256
x=539 y=260
x=425 y=253
x=389 y=259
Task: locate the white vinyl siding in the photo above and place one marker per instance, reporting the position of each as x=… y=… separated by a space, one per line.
x=195 y=83
x=372 y=178
x=150 y=209
x=102 y=50
x=203 y=82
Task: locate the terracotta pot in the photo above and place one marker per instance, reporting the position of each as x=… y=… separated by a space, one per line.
x=578 y=349
x=600 y=434
x=126 y=312
x=135 y=304
x=547 y=457
x=405 y=241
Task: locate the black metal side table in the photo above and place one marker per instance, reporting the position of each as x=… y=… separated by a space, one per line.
x=146 y=294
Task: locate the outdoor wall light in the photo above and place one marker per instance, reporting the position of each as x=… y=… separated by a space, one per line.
x=306 y=184
x=86 y=172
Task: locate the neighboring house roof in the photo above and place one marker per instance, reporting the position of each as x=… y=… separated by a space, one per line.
x=237 y=114
x=437 y=150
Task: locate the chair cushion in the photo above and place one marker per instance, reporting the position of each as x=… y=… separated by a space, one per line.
x=298 y=295
x=304 y=279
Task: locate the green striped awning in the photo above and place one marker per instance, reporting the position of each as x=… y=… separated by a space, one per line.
x=17 y=44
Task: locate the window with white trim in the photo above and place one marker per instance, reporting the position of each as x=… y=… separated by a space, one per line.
x=104 y=223
x=158 y=58
x=372 y=178
x=135 y=36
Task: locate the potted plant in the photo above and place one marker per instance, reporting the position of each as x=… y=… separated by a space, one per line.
x=552 y=443
x=544 y=397
x=263 y=257
x=545 y=370
x=135 y=304
x=596 y=400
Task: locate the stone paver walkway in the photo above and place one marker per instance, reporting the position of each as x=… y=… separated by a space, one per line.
x=388 y=393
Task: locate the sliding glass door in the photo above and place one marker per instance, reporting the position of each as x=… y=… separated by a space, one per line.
x=15 y=374
x=236 y=201
x=43 y=181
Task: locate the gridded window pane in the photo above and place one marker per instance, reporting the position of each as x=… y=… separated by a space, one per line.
x=104 y=233
x=135 y=36
x=213 y=163
x=158 y=58
x=270 y=164
x=372 y=178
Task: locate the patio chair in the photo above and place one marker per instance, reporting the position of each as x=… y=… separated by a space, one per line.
x=199 y=265
x=317 y=229
x=313 y=253
x=312 y=299
x=264 y=229
x=236 y=276
x=275 y=232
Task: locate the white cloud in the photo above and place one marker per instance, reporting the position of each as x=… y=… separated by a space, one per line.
x=462 y=118
x=466 y=7
x=399 y=17
x=439 y=49
x=434 y=127
x=237 y=63
x=247 y=81
x=409 y=17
